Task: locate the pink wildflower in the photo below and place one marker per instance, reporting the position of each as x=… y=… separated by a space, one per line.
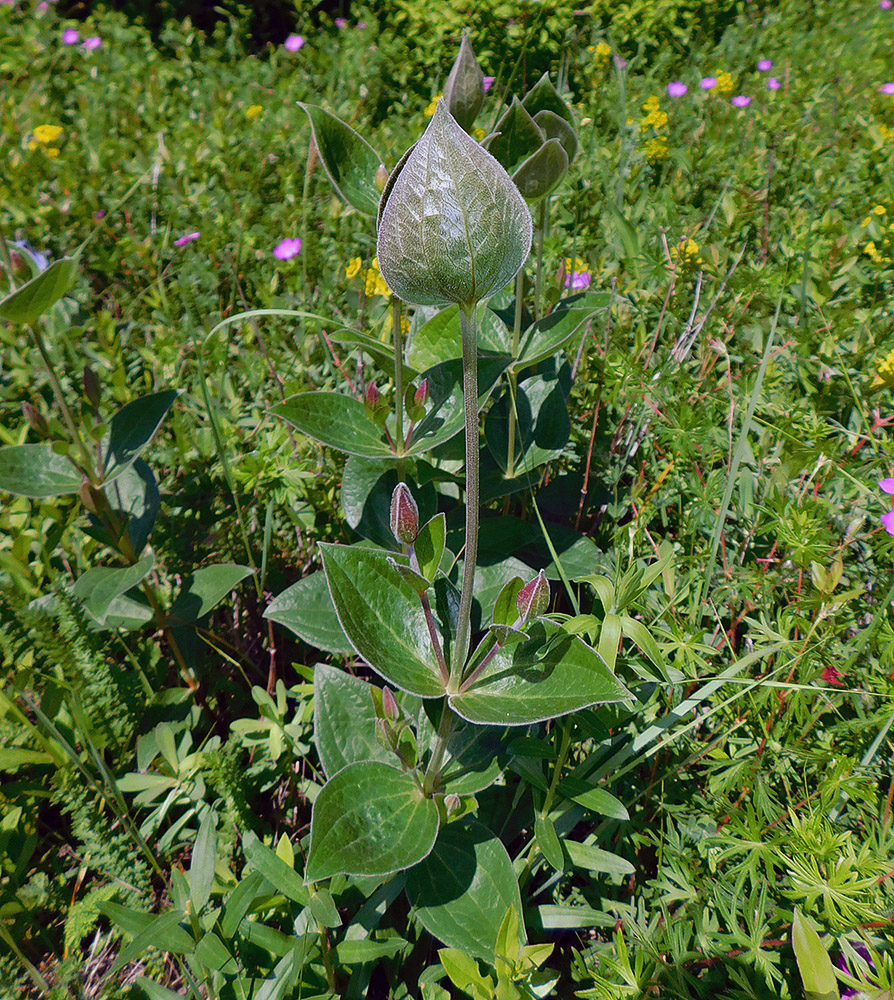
x=91 y=43
x=740 y=101
x=488 y=82
x=341 y=22
x=287 y=249
x=187 y=238
x=885 y=4
x=765 y=65
x=887 y=486
x=833 y=676
x=676 y=88
x=70 y=37
x=708 y=83
x=293 y=43
x=887 y=88
x=773 y=83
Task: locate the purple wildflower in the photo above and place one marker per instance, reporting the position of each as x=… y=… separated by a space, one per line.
x=577 y=282
x=773 y=83
x=293 y=43
x=676 y=88
x=70 y=37
x=885 y=4
x=488 y=82
x=341 y=22
x=886 y=88
x=887 y=486
x=764 y=65
x=708 y=83
x=840 y=961
x=186 y=238
x=360 y=25
x=740 y=101
x=287 y=249
x=91 y=43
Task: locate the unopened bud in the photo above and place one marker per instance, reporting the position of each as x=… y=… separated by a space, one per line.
x=373 y=399
x=34 y=419
x=91 y=387
x=533 y=598
x=389 y=705
x=385 y=736
x=381 y=177
x=452 y=803
x=404 y=515
x=91 y=498
x=464 y=92
x=374 y=404
x=20 y=267
x=421 y=394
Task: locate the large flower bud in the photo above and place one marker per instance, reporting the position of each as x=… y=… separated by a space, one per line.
x=404 y=515
x=454 y=227
x=464 y=93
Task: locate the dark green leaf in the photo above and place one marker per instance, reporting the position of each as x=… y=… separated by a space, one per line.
x=337 y=421
x=134 y=498
x=549 y=334
x=548 y=842
x=205 y=588
x=515 y=137
x=596 y=799
x=344 y=720
x=473 y=759
x=239 y=902
x=543 y=96
x=439 y=339
x=348 y=159
x=164 y=933
x=204 y=858
x=361 y=951
x=383 y=618
x=462 y=890
x=280 y=876
x=596 y=860
x=36 y=471
x=369 y=819
x=541 y=173
x=28 y=302
x=155 y=991
x=554 y=127
x=429 y=546
x=505 y=610
x=551 y=674
x=132 y=428
x=306 y=609
x=629 y=239
x=213 y=954
x=98 y=587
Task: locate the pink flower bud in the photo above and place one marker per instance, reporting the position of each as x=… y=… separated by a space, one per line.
x=533 y=598
x=91 y=387
x=389 y=705
x=34 y=419
x=373 y=399
x=404 y=515
x=421 y=393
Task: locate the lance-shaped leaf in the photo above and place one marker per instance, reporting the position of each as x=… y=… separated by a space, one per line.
x=344 y=720
x=547 y=335
x=348 y=159
x=306 y=609
x=543 y=96
x=98 y=587
x=369 y=819
x=515 y=137
x=36 y=471
x=464 y=92
x=132 y=428
x=134 y=498
x=383 y=618
x=462 y=890
x=814 y=964
x=207 y=587
x=337 y=421
x=542 y=171
x=28 y=302
x=550 y=674
x=554 y=127
x=454 y=228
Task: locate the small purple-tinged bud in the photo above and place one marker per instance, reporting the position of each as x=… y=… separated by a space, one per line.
x=389 y=705
x=91 y=387
x=92 y=499
x=404 y=515
x=373 y=399
x=452 y=803
x=533 y=598
x=35 y=420
x=385 y=735
x=20 y=267
x=421 y=394
x=381 y=178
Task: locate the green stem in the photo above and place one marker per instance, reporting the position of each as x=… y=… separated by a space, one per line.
x=560 y=764
x=513 y=378
x=439 y=748
x=63 y=406
x=397 y=336
x=467 y=320
x=541 y=230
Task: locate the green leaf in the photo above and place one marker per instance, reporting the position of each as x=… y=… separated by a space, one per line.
x=337 y=421
x=596 y=860
x=814 y=964
x=280 y=876
x=629 y=239
x=555 y=127
x=306 y=609
x=551 y=674
x=323 y=908
x=134 y=498
x=251 y=887
x=464 y=973
x=369 y=819
x=597 y=800
x=515 y=136
x=344 y=720
x=132 y=428
x=212 y=953
x=541 y=173
x=429 y=546
x=155 y=991
x=564 y=917
x=29 y=301
x=542 y=428
x=124 y=612
x=98 y=587
x=543 y=96
x=548 y=842
x=163 y=932
x=609 y=639
x=473 y=758
x=505 y=609
x=36 y=471
x=348 y=159
x=383 y=618
x=207 y=587
x=543 y=338
x=463 y=888
x=360 y=952
x=12 y=758
x=366 y=488
x=439 y=339
x=444 y=416
x=204 y=858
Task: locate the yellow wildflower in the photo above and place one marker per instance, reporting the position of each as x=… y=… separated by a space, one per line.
x=629 y=121
x=254 y=111
x=871 y=251
x=885 y=368
x=879 y=210
x=52 y=152
x=479 y=133
x=866 y=222
x=353 y=268
x=651 y=103
x=656 y=149
x=32 y=145
x=603 y=50
x=654 y=119
x=430 y=110
x=47 y=134
x=375 y=283
x=725 y=83
x=686 y=252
